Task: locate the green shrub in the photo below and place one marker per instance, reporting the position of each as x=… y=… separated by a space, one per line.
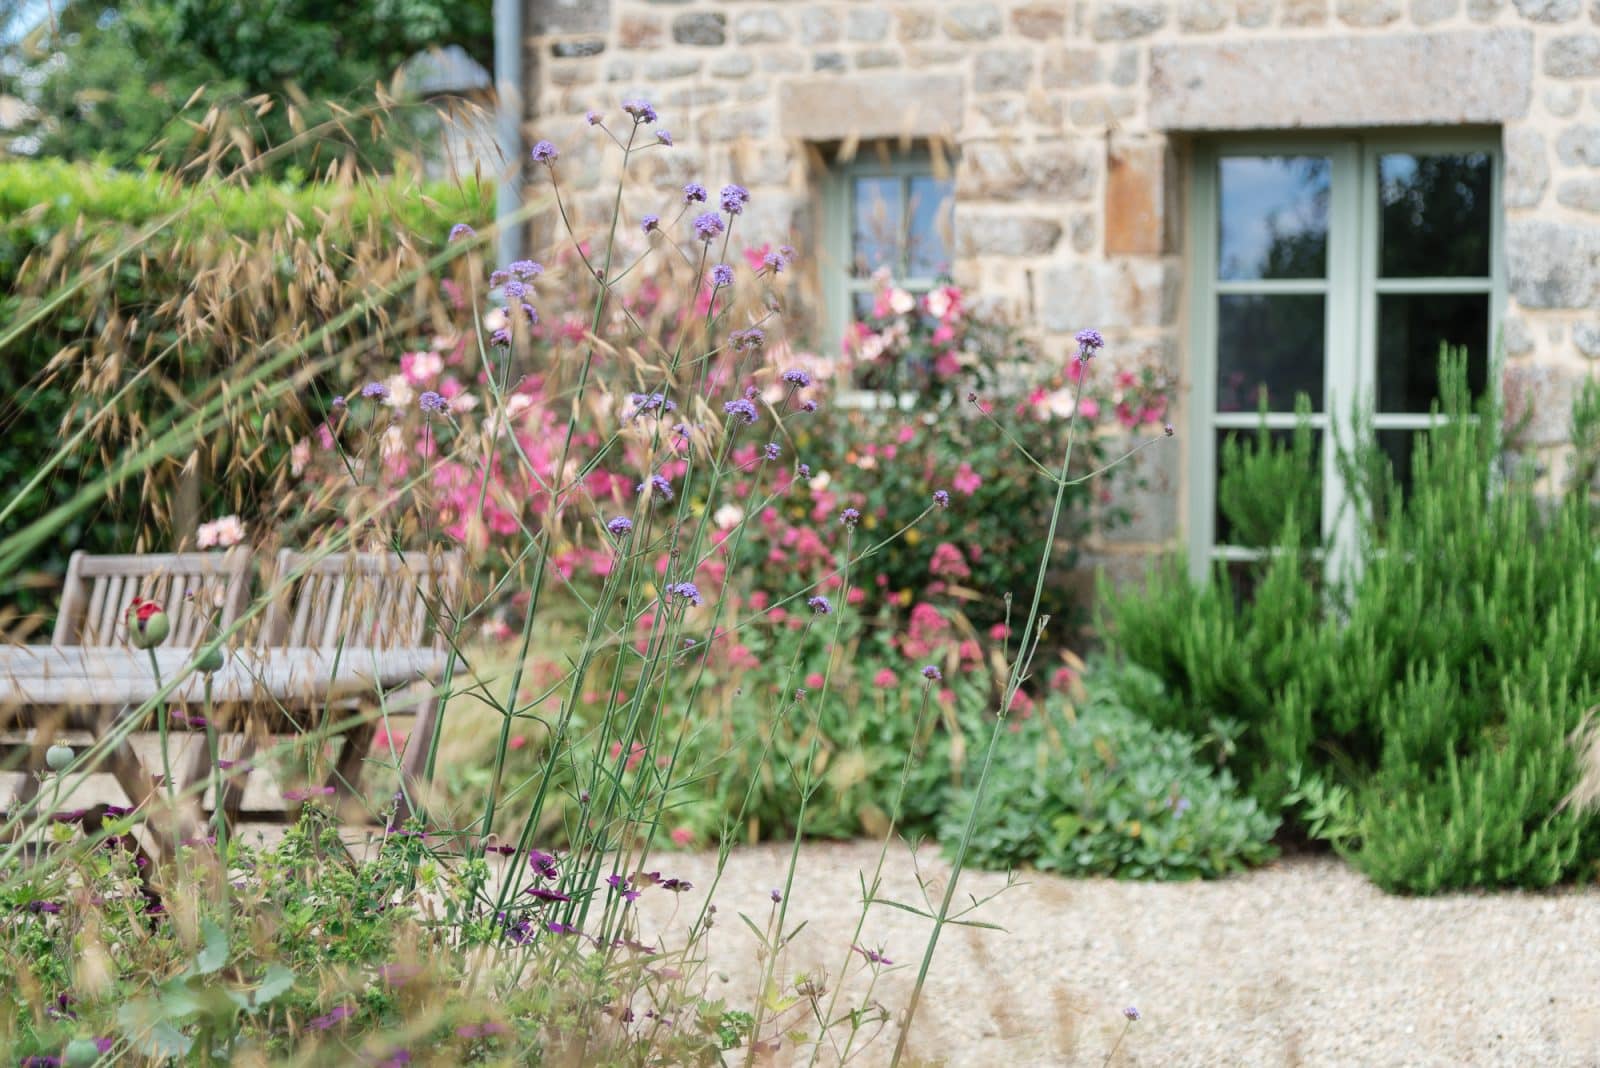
x=1099 y=790
x=1437 y=683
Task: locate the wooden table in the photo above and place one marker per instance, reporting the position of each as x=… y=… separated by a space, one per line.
x=82 y=675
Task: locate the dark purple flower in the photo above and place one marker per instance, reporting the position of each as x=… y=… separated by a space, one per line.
x=721 y=275
x=797 y=378
x=641 y=111
x=306 y=793
x=1166 y=428
x=40 y=1060
x=686 y=591
x=932 y=674
x=805 y=470
x=375 y=391
x=659 y=486
x=338 y=403
x=544 y=893
x=1131 y=1013
x=820 y=605
x=734 y=198
x=664 y=137
x=941 y=498
x=501 y=338
x=433 y=403
x=694 y=193
x=556 y=927
x=1089 y=342
x=753 y=338
x=341 y=1012
x=461 y=230
x=592 y=117
x=650 y=223
x=677 y=886
x=809 y=406
x=645 y=403
x=873 y=956
x=546 y=153
x=849 y=517
x=543 y=864
x=799 y=693
x=708 y=226
x=741 y=409
x=772 y=451
x=777 y=896
x=619 y=883
x=620 y=527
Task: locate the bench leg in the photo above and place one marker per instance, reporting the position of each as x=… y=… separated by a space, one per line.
x=414 y=765
x=346 y=777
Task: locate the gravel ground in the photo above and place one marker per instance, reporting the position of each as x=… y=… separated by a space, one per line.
x=1300 y=963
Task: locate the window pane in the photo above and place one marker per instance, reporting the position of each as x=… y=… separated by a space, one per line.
x=1273 y=217
x=1411 y=327
x=1435 y=220
x=1269 y=343
x=1255 y=493
x=879 y=219
x=931 y=201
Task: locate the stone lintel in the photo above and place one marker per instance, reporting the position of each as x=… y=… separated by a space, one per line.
x=871 y=105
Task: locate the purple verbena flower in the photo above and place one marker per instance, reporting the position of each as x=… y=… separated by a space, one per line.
x=645 y=403
x=658 y=485
x=650 y=223
x=777 y=896
x=849 y=517
x=775 y=262
x=741 y=409
x=721 y=275
x=753 y=338
x=686 y=591
x=772 y=451
x=592 y=117
x=734 y=198
x=641 y=111
x=664 y=137
x=694 y=193
x=809 y=406
x=820 y=605
x=461 y=230
x=433 y=403
x=932 y=674
x=941 y=498
x=375 y=391
x=620 y=527
x=546 y=153
x=1089 y=342
x=708 y=226
x=1131 y=1013
x=797 y=378
x=1166 y=428
x=805 y=470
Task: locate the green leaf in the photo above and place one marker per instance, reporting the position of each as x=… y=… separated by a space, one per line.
x=215 y=953
x=274 y=984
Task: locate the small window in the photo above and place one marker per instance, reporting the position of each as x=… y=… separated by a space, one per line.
x=887 y=213
x=1334 y=268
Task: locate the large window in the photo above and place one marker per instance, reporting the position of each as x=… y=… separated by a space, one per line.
x=885 y=211
x=1334 y=268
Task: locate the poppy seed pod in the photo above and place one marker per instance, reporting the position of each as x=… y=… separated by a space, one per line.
x=148 y=624
x=58 y=757
x=209 y=659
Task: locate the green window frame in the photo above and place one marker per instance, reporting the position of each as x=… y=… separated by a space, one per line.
x=841 y=282
x=1353 y=288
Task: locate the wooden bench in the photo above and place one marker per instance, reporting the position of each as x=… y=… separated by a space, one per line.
x=370 y=601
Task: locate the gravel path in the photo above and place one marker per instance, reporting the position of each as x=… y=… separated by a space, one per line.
x=1300 y=963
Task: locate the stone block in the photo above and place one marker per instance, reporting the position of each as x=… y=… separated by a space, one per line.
x=589 y=46
x=867 y=24
x=1036 y=22
x=1580 y=193
x=1563 y=101
x=1587 y=337
x=1042 y=173
x=1107 y=294
x=1368 y=13
x=1201 y=16
x=1125 y=71
x=871 y=105
x=1549 y=10
x=702 y=28
x=1124 y=20
x=1305 y=12
x=1085 y=232
x=641 y=31
x=1484 y=10
x=972 y=22
x=1102 y=111
x=671 y=66
x=1140 y=189
x=732 y=65
x=913 y=23
x=1527 y=167
x=548 y=18
x=877 y=59
x=1253 y=14
x=1538 y=401
x=1427 y=12
x=1579 y=146
x=1005 y=235
x=734 y=124
x=760 y=26
x=1516 y=337
x=1148 y=485
x=1553 y=265
x=818 y=25
x=1346 y=80
x=1070 y=68
x=829 y=61
x=1573 y=56
x=1002 y=71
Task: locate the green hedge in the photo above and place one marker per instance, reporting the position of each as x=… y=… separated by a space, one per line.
x=299 y=253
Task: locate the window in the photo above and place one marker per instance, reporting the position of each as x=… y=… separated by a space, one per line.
x=885 y=211
x=1334 y=268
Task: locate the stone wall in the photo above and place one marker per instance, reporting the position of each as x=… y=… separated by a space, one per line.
x=1070 y=124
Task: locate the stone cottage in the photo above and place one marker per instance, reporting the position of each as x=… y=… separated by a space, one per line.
x=1269 y=196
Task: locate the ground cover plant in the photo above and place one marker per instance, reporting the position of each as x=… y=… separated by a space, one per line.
x=1424 y=713
x=586 y=461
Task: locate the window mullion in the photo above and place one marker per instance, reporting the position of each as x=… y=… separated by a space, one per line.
x=1202 y=438
x=1348 y=371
